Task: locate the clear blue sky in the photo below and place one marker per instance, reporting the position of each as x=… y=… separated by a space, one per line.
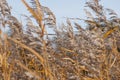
x=63 y=8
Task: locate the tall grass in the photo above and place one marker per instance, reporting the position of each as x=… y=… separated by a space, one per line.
x=84 y=54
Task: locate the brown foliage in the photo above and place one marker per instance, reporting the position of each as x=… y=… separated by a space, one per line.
x=85 y=54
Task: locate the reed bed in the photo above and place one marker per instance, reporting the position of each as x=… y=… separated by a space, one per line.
x=73 y=53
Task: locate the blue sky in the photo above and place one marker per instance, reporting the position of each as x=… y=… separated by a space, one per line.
x=63 y=8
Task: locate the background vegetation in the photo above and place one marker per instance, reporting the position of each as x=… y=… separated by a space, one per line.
x=73 y=53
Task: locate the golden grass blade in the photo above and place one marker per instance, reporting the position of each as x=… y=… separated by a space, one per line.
x=69 y=59
x=109 y=32
x=113 y=62
x=64 y=49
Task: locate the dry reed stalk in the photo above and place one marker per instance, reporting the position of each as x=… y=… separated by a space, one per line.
x=29 y=49
x=37 y=15
x=6 y=67
x=24 y=67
